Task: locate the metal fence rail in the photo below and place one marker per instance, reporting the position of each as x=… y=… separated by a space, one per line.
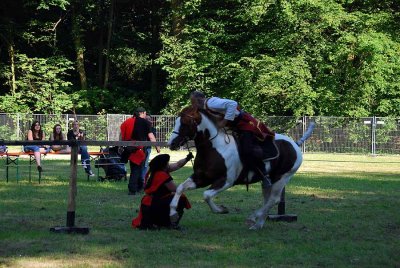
x=369 y=135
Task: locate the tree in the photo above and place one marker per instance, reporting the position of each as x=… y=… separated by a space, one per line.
x=41 y=85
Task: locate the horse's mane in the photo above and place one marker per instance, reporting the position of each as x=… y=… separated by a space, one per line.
x=210 y=116
x=195 y=113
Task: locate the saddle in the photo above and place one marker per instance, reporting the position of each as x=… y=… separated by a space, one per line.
x=246 y=122
x=269 y=148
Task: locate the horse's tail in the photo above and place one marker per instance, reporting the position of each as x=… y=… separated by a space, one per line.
x=307 y=134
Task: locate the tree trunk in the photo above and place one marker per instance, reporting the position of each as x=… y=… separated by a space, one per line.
x=178 y=23
x=177 y=18
x=100 y=59
x=12 y=66
x=154 y=88
x=109 y=34
x=155 y=47
x=79 y=47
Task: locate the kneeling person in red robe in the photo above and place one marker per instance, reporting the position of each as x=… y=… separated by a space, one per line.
x=159 y=191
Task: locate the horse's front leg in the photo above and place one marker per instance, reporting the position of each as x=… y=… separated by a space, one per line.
x=188 y=184
x=211 y=193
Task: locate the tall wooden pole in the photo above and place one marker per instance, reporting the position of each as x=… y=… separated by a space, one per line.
x=72 y=187
x=71 y=228
x=282 y=216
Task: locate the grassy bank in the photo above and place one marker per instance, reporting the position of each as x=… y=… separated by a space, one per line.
x=347 y=209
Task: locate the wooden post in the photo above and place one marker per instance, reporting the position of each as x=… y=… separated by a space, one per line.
x=71 y=228
x=281 y=216
x=72 y=187
x=282 y=205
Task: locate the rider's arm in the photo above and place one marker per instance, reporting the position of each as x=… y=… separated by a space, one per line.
x=228 y=107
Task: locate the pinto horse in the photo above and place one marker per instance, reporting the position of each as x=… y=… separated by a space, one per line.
x=217 y=163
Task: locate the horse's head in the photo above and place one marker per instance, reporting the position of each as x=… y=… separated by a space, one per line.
x=185 y=127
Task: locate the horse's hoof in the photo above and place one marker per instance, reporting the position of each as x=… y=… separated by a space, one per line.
x=250 y=222
x=258 y=224
x=174 y=218
x=223 y=210
x=255 y=227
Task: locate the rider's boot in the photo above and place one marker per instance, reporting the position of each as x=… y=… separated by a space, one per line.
x=266 y=182
x=265 y=179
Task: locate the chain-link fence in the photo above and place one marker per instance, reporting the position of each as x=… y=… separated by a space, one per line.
x=370 y=135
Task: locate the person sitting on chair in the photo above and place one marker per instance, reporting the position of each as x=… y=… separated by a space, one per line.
x=58 y=135
x=159 y=191
x=77 y=134
x=250 y=130
x=35 y=133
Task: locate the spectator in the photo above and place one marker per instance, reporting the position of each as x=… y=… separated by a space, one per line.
x=77 y=134
x=147 y=149
x=58 y=135
x=159 y=191
x=136 y=128
x=36 y=134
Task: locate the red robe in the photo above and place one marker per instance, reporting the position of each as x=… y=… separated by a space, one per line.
x=159 y=178
x=248 y=123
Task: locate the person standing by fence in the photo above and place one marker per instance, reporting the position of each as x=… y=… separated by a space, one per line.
x=77 y=134
x=147 y=149
x=136 y=128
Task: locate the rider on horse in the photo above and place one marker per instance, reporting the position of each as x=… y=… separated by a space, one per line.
x=251 y=131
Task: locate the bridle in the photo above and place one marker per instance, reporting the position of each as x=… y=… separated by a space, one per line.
x=195 y=124
x=186 y=138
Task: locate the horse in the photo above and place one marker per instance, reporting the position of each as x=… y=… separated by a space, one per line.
x=217 y=163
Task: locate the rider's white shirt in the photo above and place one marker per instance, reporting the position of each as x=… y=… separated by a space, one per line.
x=223 y=106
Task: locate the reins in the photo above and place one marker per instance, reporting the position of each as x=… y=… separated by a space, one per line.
x=186 y=141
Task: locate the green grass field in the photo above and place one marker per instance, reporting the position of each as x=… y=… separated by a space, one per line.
x=347 y=207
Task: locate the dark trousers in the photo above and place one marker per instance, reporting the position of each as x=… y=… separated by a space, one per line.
x=147 y=151
x=157 y=215
x=135 y=179
x=251 y=153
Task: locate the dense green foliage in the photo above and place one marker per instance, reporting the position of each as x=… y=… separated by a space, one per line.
x=275 y=57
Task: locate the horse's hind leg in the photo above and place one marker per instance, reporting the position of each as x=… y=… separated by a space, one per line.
x=188 y=184
x=274 y=198
x=211 y=193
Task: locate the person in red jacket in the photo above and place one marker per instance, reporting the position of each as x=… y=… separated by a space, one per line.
x=159 y=191
x=136 y=128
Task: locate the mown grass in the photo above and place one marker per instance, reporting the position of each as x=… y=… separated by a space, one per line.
x=347 y=207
